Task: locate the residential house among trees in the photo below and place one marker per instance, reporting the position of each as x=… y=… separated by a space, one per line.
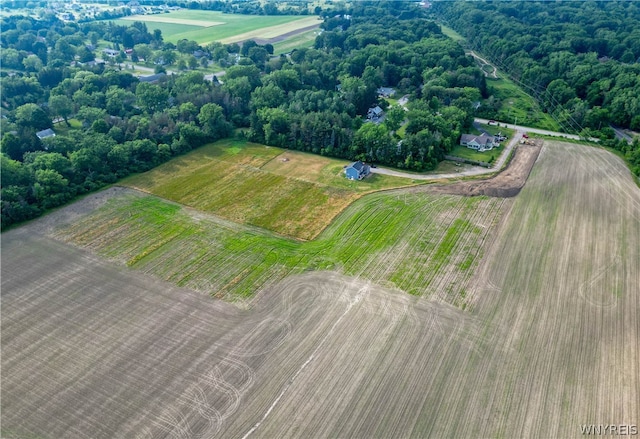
x=481 y=143
x=385 y=92
x=45 y=133
x=357 y=170
x=375 y=113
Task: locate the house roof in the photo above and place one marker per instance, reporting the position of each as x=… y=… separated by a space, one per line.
x=386 y=91
x=357 y=165
x=45 y=133
x=376 y=110
x=482 y=139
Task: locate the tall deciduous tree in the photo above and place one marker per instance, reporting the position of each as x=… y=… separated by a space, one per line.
x=61 y=106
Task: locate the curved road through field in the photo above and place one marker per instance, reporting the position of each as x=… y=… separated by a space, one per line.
x=478 y=170
x=466 y=173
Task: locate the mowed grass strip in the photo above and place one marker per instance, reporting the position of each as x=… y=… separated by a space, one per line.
x=168 y=29
x=168 y=19
x=298 y=41
x=471 y=154
x=297 y=195
x=274 y=31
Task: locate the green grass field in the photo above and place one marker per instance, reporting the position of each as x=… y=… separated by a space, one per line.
x=288 y=192
x=451 y=33
x=303 y=39
x=467 y=153
x=517 y=106
x=223 y=27
x=427 y=245
x=61 y=128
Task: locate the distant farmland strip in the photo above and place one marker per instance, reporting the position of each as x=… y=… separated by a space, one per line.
x=273 y=31
x=304 y=39
x=169 y=19
x=208 y=26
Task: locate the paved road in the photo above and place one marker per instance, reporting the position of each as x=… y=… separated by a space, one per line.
x=537 y=130
x=620 y=134
x=210 y=76
x=476 y=170
x=151 y=71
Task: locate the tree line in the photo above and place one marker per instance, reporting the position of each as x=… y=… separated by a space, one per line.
x=315 y=100
x=581 y=60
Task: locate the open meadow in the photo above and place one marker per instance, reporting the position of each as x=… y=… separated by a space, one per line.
x=414 y=314
x=288 y=192
x=208 y=26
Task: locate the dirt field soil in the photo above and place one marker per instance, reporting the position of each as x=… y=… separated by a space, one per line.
x=548 y=343
x=507 y=183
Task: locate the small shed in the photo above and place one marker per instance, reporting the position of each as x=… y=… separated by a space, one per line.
x=45 y=133
x=357 y=171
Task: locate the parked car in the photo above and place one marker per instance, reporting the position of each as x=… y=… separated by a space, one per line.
x=493 y=122
x=525 y=135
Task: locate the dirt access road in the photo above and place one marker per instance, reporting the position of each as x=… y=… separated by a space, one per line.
x=466 y=173
x=507 y=183
x=483 y=61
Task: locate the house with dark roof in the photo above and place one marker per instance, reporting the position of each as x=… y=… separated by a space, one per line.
x=385 y=92
x=481 y=143
x=45 y=133
x=375 y=113
x=357 y=171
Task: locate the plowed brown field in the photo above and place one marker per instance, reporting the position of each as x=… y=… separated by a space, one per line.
x=550 y=341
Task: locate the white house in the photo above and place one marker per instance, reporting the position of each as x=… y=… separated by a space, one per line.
x=481 y=143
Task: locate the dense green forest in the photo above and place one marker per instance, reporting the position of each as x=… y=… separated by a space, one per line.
x=581 y=59
x=109 y=124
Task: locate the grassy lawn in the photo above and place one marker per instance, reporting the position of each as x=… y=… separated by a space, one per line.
x=451 y=33
x=449 y=167
x=517 y=106
x=288 y=192
x=62 y=128
x=467 y=153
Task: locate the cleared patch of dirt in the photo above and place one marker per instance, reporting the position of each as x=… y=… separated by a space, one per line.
x=507 y=183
